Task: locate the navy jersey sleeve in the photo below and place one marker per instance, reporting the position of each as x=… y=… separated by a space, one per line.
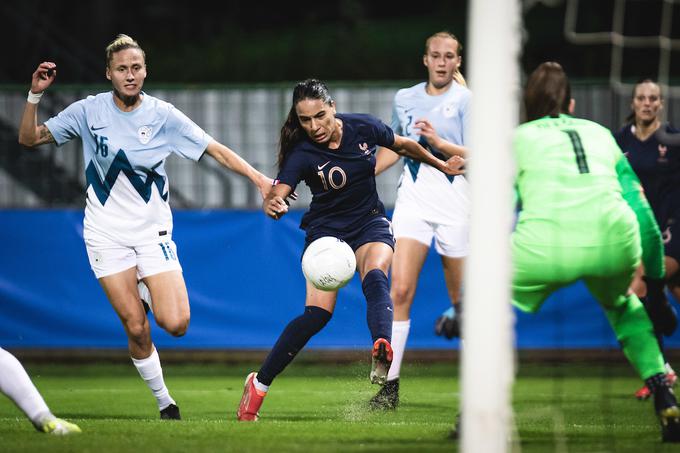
x=384 y=135
x=619 y=137
x=293 y=169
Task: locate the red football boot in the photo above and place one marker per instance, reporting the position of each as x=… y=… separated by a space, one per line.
x=643 y=394
x=381 y=361
x=250 y=401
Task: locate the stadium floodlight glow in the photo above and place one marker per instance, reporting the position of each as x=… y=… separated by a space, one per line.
x=487 y=349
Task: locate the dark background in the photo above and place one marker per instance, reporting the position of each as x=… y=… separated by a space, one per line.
x=200 y=41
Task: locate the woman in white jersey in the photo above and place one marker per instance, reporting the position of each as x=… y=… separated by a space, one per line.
x=126 y=136
x=430 y=205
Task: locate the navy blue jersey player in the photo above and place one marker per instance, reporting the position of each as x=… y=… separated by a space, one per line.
x=657 y=165
x=335 y=155
x=337 y=204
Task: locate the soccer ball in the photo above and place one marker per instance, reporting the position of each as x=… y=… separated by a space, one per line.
x=328 y=263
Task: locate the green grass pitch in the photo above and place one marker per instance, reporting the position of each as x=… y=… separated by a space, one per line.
x=321 y=408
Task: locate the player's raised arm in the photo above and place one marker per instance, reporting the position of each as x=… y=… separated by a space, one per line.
x=229 y=159
x=30 y=134
x=407 y=147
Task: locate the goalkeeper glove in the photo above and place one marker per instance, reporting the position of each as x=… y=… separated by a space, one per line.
x=448 y=324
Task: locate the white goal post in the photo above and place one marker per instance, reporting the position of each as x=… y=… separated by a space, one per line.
x=487 y=370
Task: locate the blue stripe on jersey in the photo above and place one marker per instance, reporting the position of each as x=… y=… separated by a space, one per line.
x=414 y=165
x=121 y=164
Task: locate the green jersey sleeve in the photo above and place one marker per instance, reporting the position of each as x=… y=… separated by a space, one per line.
x=652 y=245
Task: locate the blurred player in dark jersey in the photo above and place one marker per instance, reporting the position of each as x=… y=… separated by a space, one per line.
x=657 y=165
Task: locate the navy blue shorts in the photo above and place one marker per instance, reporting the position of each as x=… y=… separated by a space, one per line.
x=378 y=229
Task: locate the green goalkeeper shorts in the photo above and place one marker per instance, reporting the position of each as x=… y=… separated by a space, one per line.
x=539 y=270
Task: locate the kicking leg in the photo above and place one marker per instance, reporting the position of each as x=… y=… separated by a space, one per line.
x=319 y=308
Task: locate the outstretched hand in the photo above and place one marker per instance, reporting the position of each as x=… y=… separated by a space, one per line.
x=266 y=186
x=43 y=77
x=425 y=128
x=275 y=207
x=454 y=166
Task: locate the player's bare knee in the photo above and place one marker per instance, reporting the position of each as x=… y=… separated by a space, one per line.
x=402 y=295
x=137 y=331
x=175 y=326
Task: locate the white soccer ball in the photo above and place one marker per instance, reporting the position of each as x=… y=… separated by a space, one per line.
x=328 y=263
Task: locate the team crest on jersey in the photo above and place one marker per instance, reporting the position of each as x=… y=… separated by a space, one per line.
x=662 y=153
x=144 y=134
x=449 y=110
x=364 y=147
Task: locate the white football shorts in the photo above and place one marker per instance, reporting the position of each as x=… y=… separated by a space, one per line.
x=108 y=258
x=449 y=240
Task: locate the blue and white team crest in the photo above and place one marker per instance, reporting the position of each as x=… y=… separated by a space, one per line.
x=144 y=134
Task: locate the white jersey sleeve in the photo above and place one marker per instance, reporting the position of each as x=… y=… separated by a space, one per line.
x=190 y=141
x=68 y=124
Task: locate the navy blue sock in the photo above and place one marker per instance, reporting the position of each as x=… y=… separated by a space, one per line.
x=293 y=338
x=379 y=309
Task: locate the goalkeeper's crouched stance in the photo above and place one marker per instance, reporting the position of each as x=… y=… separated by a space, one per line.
x=576 y=225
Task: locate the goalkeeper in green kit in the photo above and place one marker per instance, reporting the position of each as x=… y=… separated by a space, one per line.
x=576 y=191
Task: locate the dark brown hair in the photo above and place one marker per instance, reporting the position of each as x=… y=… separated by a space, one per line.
x=291 y=131
x=547 y=91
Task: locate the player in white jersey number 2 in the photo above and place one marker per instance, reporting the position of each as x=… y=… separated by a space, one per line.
x=127 y=136
x=430 y=205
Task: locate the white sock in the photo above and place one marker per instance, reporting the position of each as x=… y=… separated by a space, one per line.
x=150 y=370
x=260 y=386
x=15 y=383
x=400 y=331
